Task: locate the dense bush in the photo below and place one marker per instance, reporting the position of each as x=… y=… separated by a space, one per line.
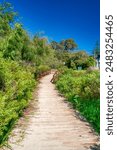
x=82 y=88
x=83 y=84
x=15 y=93
x=79 y=59
x=41 y=70
x=90 y=109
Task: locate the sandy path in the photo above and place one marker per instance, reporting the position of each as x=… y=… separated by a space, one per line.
x=54 y=126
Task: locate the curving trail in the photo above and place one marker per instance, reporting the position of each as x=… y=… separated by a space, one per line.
x=53 y=125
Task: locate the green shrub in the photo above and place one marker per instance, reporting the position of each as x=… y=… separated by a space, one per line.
x=2 y=80
x=40 y=70
x=19 y=84
x=90 y=109
x=82 y=89
x=43 y=68
x=85 y=85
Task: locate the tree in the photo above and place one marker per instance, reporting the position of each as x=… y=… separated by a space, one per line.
x=68 y=44
x=89 y=62
x=7 y=16
x=80 y=59
x=28 y=51
x=96 y=51
x=57 y=46
x=14 y=43
x=39 y=45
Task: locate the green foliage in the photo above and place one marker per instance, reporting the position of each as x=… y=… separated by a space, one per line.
x=40 y=45
x=90 y=109
x=96 y=51
x=43 y=68
x=14 y=44
x=90 y=62
x=6 y=16
x=80 y=59
x=2 y=80
x=69 y=44
x=82 y=88
x=85 y=85
x=18 y=84
x=57 y=46
x=40 y=70
x=64 y=45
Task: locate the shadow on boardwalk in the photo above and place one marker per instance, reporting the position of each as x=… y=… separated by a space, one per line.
x=95 y=147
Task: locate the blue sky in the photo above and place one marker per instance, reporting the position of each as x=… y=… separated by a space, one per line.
x=62 y=19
